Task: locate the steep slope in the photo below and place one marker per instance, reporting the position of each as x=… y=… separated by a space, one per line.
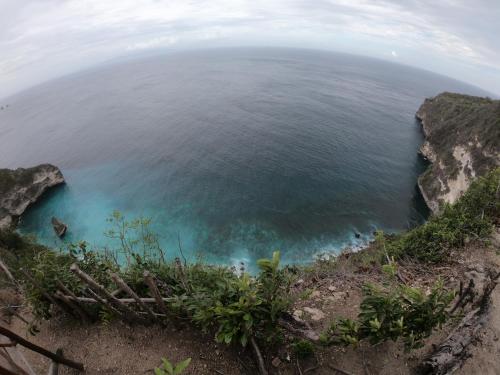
x=23 y=186
x=462 y=141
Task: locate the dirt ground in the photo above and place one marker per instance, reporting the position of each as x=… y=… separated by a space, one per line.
x=116 y=348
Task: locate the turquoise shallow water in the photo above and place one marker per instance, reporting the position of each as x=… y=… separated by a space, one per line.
x=236 y=152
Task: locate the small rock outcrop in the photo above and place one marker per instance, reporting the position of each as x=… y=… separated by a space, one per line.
x=59 y=227
x=462 y=141
x=21 y=187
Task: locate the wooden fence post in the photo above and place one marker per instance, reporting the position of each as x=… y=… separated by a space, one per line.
x=128 y=313
x=155 y=292
x=79 y=308
x=6 y=270
x=123 y=285
x=46 y=295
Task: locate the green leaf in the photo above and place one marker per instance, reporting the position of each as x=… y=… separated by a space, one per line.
x=167 y=366
x=181 y=366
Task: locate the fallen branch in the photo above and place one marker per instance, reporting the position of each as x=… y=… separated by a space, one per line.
x=7 y=272
x=123 y=285
x=127 y=313
x=298 y=368
x=122 y=300
x=155 y=292
x=79 y=309
x=450 y=355
x=462 y=301
x=258 y=357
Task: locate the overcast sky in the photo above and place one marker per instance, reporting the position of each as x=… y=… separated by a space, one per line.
x=44 y=39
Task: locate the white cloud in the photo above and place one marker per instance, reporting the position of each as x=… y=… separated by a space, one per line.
x=41 y=40
x=153 y=43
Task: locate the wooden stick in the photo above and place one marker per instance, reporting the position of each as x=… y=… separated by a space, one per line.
x=5 y=269
x=99 y=300
x=122 y=300
x=54 y=366
x=258 y=357
x=155 y=292
x=12 y=311
x=79 y=309
x=57 y=358
x=123 y=285
x=46 y=295
x=73 y=305
x=128 y=314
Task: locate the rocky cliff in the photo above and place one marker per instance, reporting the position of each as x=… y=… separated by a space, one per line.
x=23 y=186
x=462 y=141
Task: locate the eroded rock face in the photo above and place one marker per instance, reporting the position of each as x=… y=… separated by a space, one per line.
x=23 y=186
x=462 y=141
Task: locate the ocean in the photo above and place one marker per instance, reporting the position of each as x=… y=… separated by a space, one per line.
x=233 y=153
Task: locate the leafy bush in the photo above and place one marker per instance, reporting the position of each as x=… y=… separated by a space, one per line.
x=471 y=217
x=303 y=348
x=235 y=306
x=168 y=369
x=242 y=306
x=404 y=312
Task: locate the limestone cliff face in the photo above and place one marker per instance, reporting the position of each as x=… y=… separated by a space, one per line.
x=23 y=186
x=462 y=141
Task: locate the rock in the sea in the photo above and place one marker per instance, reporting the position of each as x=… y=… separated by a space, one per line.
x=462 y=141
x=21 y=187
x=59 y=227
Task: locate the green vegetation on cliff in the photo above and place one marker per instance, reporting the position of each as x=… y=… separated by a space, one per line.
x=471 y=217
x=238 y=307
x=462 y=140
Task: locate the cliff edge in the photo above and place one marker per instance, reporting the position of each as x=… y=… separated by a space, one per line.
x=462 y=141
x=23 y=186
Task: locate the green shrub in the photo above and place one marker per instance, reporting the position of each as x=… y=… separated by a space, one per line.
x=303 y=348
x=167 y=368
x=404 y=312
x=242 y=306
x=471 y=217
x=237 y=307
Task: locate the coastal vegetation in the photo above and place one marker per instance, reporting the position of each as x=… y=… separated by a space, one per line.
x=240 y=308
x=389 y=314
x=167 y=368
x=279 y=306
x=472 y=217
x=461 y=141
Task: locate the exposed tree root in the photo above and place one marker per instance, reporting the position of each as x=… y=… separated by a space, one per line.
x=258 y=357
x=451 y=354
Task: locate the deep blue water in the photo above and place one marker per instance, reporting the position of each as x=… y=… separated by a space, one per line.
x=237 y=152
